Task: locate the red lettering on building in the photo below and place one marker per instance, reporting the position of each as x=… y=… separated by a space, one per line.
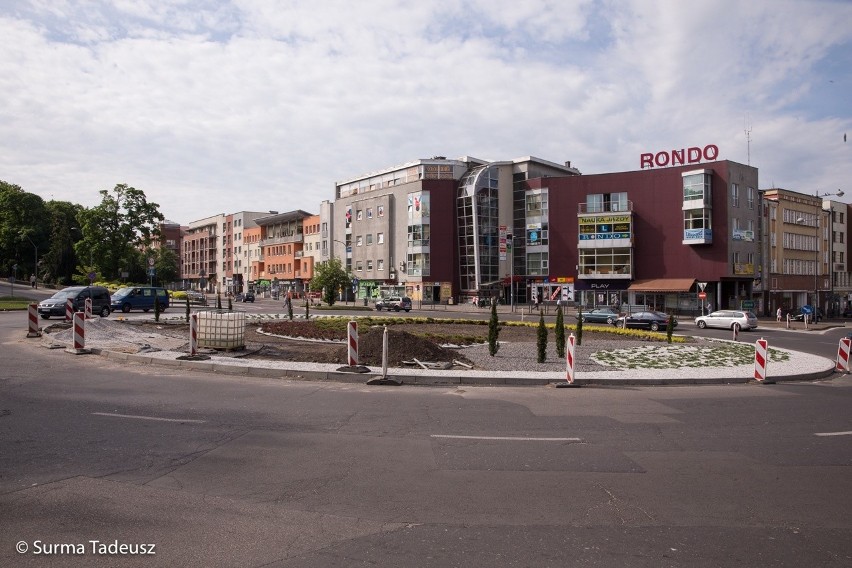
x=691 y=155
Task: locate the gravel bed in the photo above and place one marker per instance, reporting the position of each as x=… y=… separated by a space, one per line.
x=523 y=356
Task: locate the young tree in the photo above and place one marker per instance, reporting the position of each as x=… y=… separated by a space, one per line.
x=559 y=332
x=330 y=277
x=542 y=338
x=493 y=330
x=580 y=325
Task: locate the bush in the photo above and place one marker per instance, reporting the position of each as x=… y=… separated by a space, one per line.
x=493 y=331
x=559 y=332
x=580 y=325
x=542 y=338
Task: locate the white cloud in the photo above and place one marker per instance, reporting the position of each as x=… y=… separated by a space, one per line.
x=215 y=107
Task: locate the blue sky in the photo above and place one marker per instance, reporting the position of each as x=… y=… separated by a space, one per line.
x=220 y=106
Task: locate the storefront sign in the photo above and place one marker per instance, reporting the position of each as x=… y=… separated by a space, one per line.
x=692 y=155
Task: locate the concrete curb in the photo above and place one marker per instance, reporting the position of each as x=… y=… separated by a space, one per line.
x=452 y=378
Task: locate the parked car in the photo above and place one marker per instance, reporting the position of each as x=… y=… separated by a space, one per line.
x=244 y=297
x=600 y=315
x=139 y=298
x=194 y=296
x=797 y=315
x=55 y=305
x=645 y=320
x=394 y=303
x=728 y=319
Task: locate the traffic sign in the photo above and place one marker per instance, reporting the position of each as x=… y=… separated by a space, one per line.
x=702 y=295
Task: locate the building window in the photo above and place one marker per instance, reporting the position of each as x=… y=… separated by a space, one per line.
x=359 y=240
x=735 y=195
x=381 y=210
x=380 y=238
x=750 y=197
x=369 y=212
x=369 y=264
x=359 y=266
x=369 y=239
x=380 y=264
x=537 y=263
x=359 y=215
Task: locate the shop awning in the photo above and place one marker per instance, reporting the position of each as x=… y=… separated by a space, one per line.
x=662 y=285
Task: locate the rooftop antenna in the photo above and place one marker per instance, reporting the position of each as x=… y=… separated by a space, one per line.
x=748 y=137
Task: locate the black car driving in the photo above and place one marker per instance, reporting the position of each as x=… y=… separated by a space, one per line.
x=654 y=321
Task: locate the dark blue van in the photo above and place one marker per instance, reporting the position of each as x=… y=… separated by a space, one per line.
x=139 y=298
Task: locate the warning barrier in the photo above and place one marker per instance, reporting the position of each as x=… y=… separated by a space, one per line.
x=69 y=310
x=88 y=308
x=32 y=317
x=570 y=344
x=352 y=332
x=843 y=355
x=761 y=348
x=79 y=332
x=193 y=335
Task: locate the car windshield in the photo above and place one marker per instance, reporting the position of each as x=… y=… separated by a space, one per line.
x=122 y=292
x=64 y=294
x=660 y=315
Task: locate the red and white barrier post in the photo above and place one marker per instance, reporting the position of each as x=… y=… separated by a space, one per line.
x=79 y=329
x=352 y=333
x=193 y=335
x=69 y=310
x=87 y=307
x=570 y=344
x=736 y=330
x=32 y=318
x=761 y=358
x=843 y=355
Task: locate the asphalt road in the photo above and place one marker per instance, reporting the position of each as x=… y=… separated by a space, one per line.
x=229 y=471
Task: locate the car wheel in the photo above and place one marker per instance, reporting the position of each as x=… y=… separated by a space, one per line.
x=702 y=324
x=104 y=311
x=609 y=321
x=125 y=308
x=583 y=319
x=655 y=326
x=408 y=310
x=146 y=310
x=397 y=309
x=621 y=324
x=45 y=316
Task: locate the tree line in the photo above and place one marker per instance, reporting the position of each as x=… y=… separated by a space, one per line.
x=63 y=242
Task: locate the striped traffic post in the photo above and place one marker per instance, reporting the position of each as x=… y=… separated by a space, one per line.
x=79 y=333
x=352 y=333
x=87 y=307
x=32 y=318
x=69 y=310
x=843 y=355
x=760 y=359
x=193 y=335
x=570 y=344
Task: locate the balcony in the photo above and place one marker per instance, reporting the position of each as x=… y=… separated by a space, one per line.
x=294 y=238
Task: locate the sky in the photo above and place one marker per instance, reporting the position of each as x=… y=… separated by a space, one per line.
x=252 y=105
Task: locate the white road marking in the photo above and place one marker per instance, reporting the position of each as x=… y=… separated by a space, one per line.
x=149 y=418
x=510 y=438
x=833 y=434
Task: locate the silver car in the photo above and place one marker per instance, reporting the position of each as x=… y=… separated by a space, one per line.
x=728 y=319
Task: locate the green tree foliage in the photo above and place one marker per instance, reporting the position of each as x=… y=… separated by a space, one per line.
x=59 y=260
x=23 y=226
x=493 y=331
x=187 y=308
x=166 y=265
x=542 y=338
x=559 y=332
x=158 y=308
x=115 y=231
x=330 y=277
